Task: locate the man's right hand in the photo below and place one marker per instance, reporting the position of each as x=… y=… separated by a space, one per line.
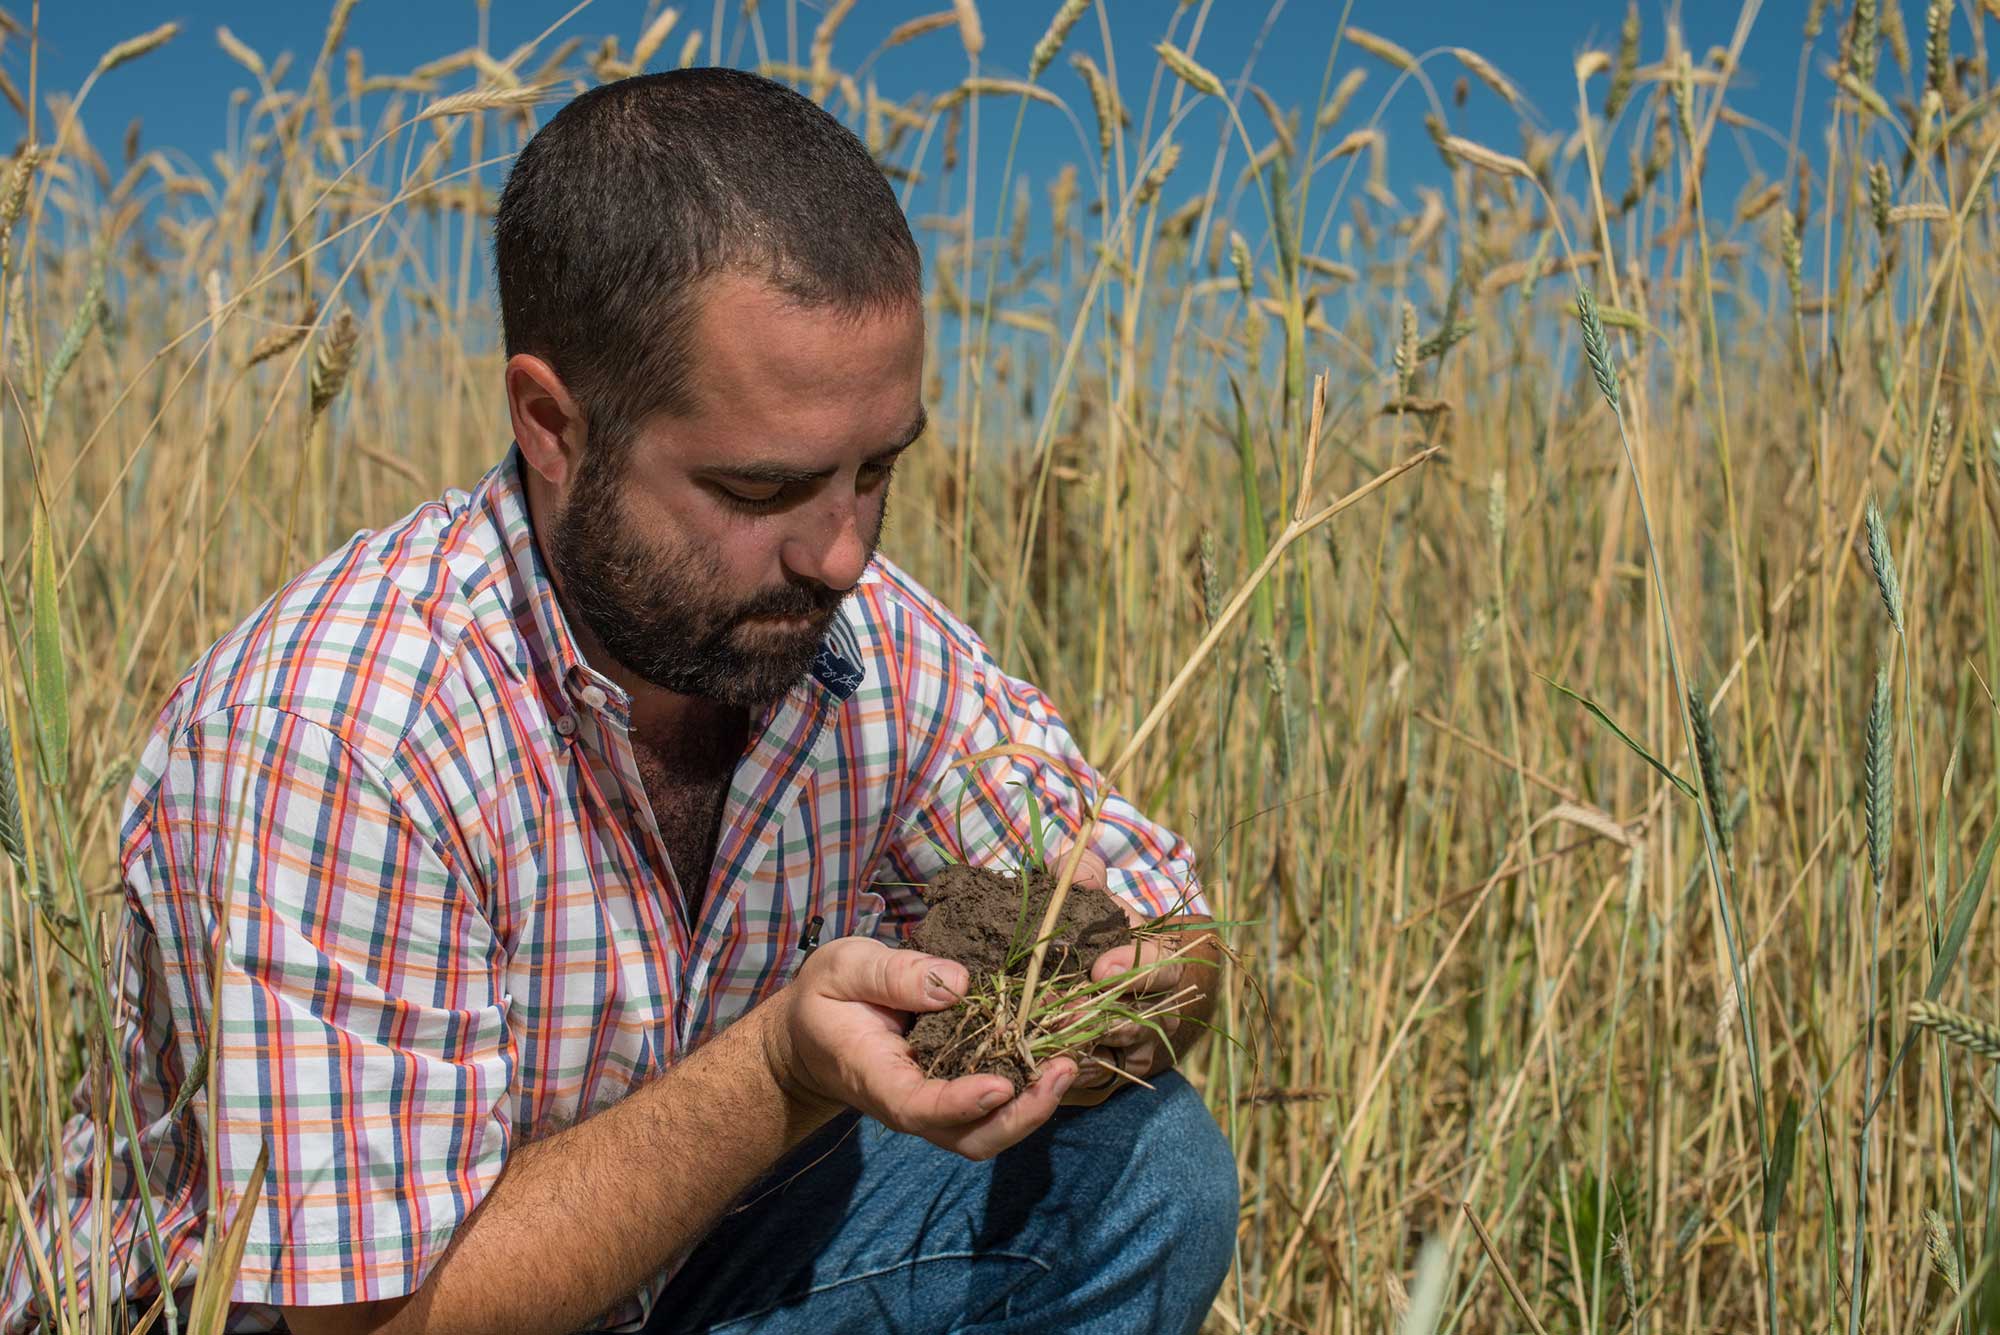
x=838 y=1039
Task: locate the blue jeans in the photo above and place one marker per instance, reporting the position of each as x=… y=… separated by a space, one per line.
x=1113 y=1220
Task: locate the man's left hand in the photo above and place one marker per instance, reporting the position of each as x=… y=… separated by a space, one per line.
x=1129 y=1049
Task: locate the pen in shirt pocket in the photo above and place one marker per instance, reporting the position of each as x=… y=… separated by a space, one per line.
x=810 y=940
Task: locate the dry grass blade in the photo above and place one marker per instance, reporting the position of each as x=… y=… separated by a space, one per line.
x=1506 y=1273
x=210 y=1312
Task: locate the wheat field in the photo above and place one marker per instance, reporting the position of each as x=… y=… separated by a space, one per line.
x=1603 y=805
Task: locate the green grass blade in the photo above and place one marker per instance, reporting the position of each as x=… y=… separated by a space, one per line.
x=1625 y=737
x=1256 y=539
x=51 y=689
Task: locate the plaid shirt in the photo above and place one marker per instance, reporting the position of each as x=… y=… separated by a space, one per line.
x=450 y=919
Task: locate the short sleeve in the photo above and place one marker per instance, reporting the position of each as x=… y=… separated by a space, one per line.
x=980 y=812
x=356 y=1021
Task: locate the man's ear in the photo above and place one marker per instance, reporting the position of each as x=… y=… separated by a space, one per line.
x=548 y=425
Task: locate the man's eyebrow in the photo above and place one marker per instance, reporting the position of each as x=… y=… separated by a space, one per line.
x=783 y=475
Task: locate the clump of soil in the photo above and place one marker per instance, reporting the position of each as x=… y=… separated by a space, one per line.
x=976 y=917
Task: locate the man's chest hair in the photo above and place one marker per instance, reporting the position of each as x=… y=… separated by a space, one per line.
x=687 y=786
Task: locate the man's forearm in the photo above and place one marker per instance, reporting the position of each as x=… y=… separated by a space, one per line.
x=583 y=1219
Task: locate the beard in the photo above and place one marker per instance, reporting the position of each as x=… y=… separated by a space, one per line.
x=660 y=611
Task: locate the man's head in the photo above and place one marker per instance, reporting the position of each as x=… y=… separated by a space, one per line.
x=714 y=330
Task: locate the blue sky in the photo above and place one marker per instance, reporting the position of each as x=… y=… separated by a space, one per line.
x=181 y=92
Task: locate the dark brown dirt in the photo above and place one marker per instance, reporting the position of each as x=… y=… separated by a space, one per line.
x=976 y=917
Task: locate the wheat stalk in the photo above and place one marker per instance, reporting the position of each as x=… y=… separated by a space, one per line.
x=282 y=339
x=971 y=34
x=1879 y=785
x=1596 y=347
x=487 y=99
x=1884 y=563
x=1710 y=763
x=1058 y=33
x=1484 y=70
x=333 y=361
x=1382 y=49
x=655 y=36
x=1103 y=100
x=240 y=51
x=911 y=29
x=1481 y=156
x=1336 y=106
x=1937 y=1243
x=1627 y=66
x=1973 y=1034
x=133 y=47
x=1191 y=72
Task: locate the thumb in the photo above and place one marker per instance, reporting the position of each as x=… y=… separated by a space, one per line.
x=904 y=980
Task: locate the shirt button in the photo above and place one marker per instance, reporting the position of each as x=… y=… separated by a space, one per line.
x=593 y=697
x=566 y=726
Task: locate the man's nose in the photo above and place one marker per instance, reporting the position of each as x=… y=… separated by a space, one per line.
x=830 y=547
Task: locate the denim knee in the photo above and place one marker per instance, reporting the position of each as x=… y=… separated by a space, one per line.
x=1181 y=1180
x=1203 y=1167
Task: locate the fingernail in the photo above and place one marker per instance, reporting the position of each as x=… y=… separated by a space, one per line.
x=1063 y=1082
x=988 y=1102
x=939 y=990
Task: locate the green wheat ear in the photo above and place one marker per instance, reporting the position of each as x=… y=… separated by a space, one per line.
x=1596 y=347
x=1884 y=561
x=1710 y=761
x=10 y=803
x=1972 y=1034
x=1937 y=1241
x=1880 y=780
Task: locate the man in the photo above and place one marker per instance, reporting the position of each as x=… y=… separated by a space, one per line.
x=507 y=823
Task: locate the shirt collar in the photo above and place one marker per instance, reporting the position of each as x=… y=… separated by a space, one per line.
x=836 y=673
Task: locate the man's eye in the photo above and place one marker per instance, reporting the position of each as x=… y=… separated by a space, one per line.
x=754 y=501
x=874 y=473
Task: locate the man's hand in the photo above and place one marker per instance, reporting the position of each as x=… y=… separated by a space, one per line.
x=580 y=1218
x=842 y=1043
x=1131 y=1048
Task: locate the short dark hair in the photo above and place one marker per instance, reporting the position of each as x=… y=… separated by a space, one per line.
x=636 y=193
